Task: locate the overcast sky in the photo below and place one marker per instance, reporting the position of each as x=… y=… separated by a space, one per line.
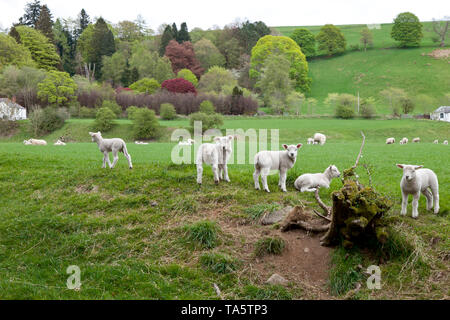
x=207 y=13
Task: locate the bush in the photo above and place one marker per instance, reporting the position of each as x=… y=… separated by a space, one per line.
x=88 y=113
x=207 y=107
x=167 y=111
x=8 y=127
x=131 y=112
x=407 y=105
x=218 y=263
x=179 y=85
x=145 y=124
x=104 y=119
x=209 y=121
x=203 y=233
x=113 y=106
x=367 y=108
x=269 y=246
x=344 y=112
x=145 y=85
x=74 y=109
x=44 y=121
x=188 y=75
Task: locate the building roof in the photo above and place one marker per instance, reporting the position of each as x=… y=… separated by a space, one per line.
x=10 y=103
x=444 y=109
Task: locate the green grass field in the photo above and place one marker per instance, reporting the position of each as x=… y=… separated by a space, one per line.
x=128 y=230
x=383 y=66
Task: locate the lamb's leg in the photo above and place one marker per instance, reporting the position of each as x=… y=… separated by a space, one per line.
x=199 y=172
x=116 y=157
x=127 y=155
x=427 y=193
x=435 y=192
x=215 y=169
x=415 y=205
x=105 y=156
x=404 y=203
x=308 y=189
x=225 y=170
x=256 y=178
x=283 y=173
x=264 y=174
x=220 y=171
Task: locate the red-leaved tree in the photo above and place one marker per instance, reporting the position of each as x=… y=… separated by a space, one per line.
x=179 y=85
x=182 y=56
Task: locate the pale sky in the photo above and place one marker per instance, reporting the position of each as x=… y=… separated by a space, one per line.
x=207 y=13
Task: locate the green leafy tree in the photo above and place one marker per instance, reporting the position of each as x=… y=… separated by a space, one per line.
x=150 y=64
x=45 y=23
x=331 y=40
x=306 y=41
x=207 y=54
x=102 y=44
x=167 y=111
x=229 y=47
x=394 y=96
x=42 y=51
x=187 y=74
x=113 y=106
x=57 y=88
x=145 y=124
x=12 y=53
x=215 y=79
x=104 y=119
x=207 y=107
x=209 y=121
x=407 y=30
x=129 y=31
x=145 y=85
x=281 y=46
x=114 y=67
x=366 y=38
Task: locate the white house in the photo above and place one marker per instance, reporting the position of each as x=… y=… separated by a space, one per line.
x=9 y=110
x=441 y=114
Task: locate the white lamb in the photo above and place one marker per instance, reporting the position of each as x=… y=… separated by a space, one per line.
x=188 y=142
x=35 y=142
x=140 y=142
x=403 y=141
x=59 y=143
x=445 y=142
x=415 y=140
x=416 y=181
x=275 y=160
x=114 y=145
x=311 y=181
x=436 y=141
x=216 y=155
x=320 y=138
x=310 y=141
x=390 y=140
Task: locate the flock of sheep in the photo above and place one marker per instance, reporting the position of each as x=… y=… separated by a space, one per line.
x=415 y=140
x=415 y=179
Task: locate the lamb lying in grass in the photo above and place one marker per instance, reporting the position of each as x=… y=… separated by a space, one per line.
x=216 y=155
x=445 y=142
x=416 y=181
x=35 y=142
x=188 y=142
x=436 y=141
x=59 y=143
x=311 y=181
x=310 y=141
x=403 y=141
x=275 y=160
x=390 y=140
x=114 y=145
x=140 y=142
x=415 y=140
x=320 y=138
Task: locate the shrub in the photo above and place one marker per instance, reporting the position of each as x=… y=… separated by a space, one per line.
x=104 y=119
x=207 y=107
x=74 y=109
x=113 y=106
x=367 y=108
x=145 y=85
x=179 y=85
x=8 y=127
x=131 y=112
x=145 y=124
x=218 y=263
x=188 y=75
x=86 y=112
x=44 y=121
x=209 y=121
x=344 y=112
x=407 y=105
x=167 y=111
x=203 y=233
x=269 y=246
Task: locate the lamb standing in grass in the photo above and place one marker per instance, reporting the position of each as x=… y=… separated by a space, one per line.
x=403 y=141
x=390 y=140
x=114 y=145
x=416 y=181
x=216 y=155
x=275 y=160
x=311 y=181
x=415 y=140
x=310 y=141
x=320 y=138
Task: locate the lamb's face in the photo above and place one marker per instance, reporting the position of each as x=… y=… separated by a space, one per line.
x=292 y=150
x=409 y=171
x=224 y=142
x=334 y=171
x=95 y=136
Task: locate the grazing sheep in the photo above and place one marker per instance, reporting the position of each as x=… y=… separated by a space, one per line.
x=390 y=140
x=35 y=142
x=140 y=142
x=403 y=141
x=415 y=140
x=275 y=160
x=59 y=143
x=320 y=138
x=188 y=142
x=216 y=155
x=310 y=141
x=445 y=142
x=436 y=141
x=415 y=181
x=311 y=181
x=113 y=145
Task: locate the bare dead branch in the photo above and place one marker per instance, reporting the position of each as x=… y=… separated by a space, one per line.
x=326 y=209
x=323 y=217
x=360 y=150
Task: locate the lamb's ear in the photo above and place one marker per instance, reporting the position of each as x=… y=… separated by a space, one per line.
x=299 y=146
x=230 y=137
x=400 y=165
x=417 y=167
x=91 y=133
x=285 y=146
x=217 y=139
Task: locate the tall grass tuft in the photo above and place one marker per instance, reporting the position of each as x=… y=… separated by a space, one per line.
x=203 y=233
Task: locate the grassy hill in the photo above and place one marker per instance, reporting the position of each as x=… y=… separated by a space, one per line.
x=382 y=66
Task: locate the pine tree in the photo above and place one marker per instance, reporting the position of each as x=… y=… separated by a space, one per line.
x=102 y=44
x=32 y=13
x=134 y=75
x=174 y=31
x=83 y=22
x=126 y=76
x=45 y=23
x=165 y=39
x=183 y=34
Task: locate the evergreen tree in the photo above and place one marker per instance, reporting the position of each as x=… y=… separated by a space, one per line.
x=102 y=44
x=174 y=31
x=64 y=46
x=183 y=34
x=165 y=39
x=32 y=13
x=83 y=22
x=13 y=33
x=45 y=23
x=134 y=75
x=126 y=75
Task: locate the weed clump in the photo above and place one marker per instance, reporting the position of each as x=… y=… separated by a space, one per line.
x=218 y=262
x=203 y=233
x=269 y=246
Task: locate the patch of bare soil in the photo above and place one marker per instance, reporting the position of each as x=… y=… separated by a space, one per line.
x=440 y=54
x=86 y=189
